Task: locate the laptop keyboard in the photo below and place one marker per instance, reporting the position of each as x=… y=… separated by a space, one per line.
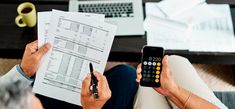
x=110 y=10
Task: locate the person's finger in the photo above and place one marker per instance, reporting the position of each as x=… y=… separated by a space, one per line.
x=104 y=90
x=98 y=76
x=43 y=50
x=165 y=64
x=139 y=69
x=100 y=84
x=138 y=73
x=86 y=85
x=34 y=43
x=138 y=78
x=30 y=48
x=105 y=82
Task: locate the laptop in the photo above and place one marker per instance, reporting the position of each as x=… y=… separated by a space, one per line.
x=126 y=14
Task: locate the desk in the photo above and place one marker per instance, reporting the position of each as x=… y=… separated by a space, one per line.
x=13 y=39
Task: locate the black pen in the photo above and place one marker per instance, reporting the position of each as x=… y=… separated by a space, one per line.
x=93 y=83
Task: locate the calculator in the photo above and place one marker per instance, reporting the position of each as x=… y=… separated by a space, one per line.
x=151 y=64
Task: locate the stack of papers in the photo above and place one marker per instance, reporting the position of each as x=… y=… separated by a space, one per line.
x=190 y=25
x=77 y=39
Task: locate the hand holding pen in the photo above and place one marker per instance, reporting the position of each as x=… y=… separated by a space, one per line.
x=88 y=99
x=93 y=83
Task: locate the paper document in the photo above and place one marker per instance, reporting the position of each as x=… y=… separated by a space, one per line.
x=210 y=27
x=76 y=41
x=197 y=14
x=166 y=33
x=215 y=34
x=172 y=8
x=44 y=22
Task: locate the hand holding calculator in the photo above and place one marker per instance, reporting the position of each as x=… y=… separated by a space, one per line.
x=151 y=66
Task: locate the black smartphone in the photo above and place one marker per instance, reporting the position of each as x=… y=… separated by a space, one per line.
x=151 y=66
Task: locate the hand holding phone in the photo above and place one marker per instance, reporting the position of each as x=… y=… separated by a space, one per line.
x=151 y=64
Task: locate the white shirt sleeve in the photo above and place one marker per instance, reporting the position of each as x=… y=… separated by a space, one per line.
x=16 y=73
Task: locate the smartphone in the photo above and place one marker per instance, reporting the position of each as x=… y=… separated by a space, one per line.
x=151 y=64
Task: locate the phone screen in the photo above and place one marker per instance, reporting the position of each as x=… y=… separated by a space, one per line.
x=151 y=66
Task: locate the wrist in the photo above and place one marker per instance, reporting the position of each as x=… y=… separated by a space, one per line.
x=174 y=91
x=180 y=95
x=20 y=70
x=25 y=71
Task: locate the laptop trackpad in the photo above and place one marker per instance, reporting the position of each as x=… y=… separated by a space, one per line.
x=113 y=22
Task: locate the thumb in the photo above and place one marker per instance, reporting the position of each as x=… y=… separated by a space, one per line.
x=165 y=63
x=43 y=50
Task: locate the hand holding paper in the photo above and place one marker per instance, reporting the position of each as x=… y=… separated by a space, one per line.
x=77 y=39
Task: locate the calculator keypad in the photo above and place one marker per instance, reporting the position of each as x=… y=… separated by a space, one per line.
x=151 y=71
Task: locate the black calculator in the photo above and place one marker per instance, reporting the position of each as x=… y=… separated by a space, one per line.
x=151 y=66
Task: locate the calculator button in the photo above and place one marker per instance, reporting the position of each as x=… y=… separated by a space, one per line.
x=149 y=76
x=144 y=67
x=158 y=68
x=149 y=63
x=156 y=80
x=157 y=72
x=145 y=62
x=158 y=64
x=154 y=63
x=144 y=75
x=144 y=79
x=157 y=76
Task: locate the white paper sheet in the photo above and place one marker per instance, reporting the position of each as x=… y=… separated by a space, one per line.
x=152 y=10
x=196 y=15
x=211 y=28
x=76 y=41
x=215 y=34
x=172 y=8
x=166 y=33
x=44 y=22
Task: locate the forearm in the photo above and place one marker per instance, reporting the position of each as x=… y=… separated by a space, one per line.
x=181 y=96
x=16 y=74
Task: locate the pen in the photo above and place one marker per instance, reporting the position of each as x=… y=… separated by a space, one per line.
x=93 y=83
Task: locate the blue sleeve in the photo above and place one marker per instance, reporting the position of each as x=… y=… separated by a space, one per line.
x=23 y=74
